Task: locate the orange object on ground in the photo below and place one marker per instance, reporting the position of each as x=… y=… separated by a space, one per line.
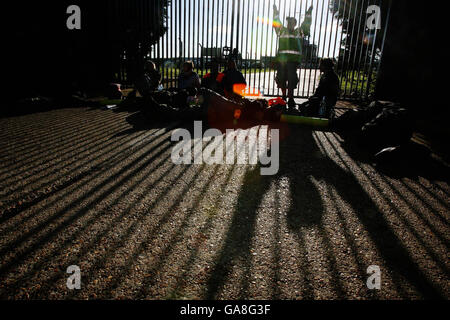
x=276 y=101
x=237 y=113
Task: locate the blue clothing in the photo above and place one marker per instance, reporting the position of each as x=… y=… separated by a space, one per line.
x=187 y=81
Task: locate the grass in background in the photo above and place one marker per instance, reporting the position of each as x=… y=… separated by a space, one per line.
x=352 y=82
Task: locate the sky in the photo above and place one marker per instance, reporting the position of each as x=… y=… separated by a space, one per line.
x=208 y=23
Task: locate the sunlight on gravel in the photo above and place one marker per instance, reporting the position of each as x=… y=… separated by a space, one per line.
x=83 y=187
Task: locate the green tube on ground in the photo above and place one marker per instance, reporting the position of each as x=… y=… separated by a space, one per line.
x=310 y=121
x=109 y=101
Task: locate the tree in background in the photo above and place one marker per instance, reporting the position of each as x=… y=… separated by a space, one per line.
x=360 y=47
x=45 y=57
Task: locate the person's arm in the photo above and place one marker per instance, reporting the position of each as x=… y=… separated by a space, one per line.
x=276 y=20
x=204 y=81
x=197 y=81
x=306 y=24
x=142 y=85
x=305 y=28
x=242 y=78
x=155 y=80
x=321 y=88
x=180 y=82
x=159 y=78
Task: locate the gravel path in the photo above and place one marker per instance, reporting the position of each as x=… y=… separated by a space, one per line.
x=85 y=187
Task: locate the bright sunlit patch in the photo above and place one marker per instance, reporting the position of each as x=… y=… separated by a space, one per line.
x=275 y=24
x=244 y=91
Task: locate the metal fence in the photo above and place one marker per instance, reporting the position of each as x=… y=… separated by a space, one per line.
x=349 y=31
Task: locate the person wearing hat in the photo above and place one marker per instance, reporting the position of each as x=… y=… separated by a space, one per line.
x=289 y=55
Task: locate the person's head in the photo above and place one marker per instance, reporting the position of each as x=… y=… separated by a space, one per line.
x=231 y=64
x=214 y=66
x=291 y=23
x=326 y=64
x=188 y=66
x=149 y=65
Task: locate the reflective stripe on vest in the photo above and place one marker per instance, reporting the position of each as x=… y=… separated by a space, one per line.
x=289 y=36
x=289 y=45
x=289 y=42
x=290 y=51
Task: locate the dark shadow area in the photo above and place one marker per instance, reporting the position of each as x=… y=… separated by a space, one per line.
x=37 y=104
x=140 y=122
x=301 y=160
x=238 y=240
x=411 y=160
x=129 y=169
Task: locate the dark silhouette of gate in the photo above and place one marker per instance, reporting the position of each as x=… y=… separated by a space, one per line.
x=350 y=31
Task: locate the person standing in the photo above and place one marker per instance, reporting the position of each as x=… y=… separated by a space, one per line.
x=289 y=55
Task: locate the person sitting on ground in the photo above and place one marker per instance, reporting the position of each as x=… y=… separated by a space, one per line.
x=149 y=80
x=188 y=79
x=327 y=91
x=214 y=80
x=232 y=76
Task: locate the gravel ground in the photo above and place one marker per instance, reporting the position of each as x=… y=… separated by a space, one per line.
x=86 y=187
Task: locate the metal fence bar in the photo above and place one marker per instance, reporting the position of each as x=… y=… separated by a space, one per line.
x=366 y=42
x=196 y=40
x=310 y=54
x=166 y=47
x=336 y=33
x=343 y=74
x=350 y=49
x=356 y=50
x=263 y=46
x=201 y=31
x=312 y=36
x=386 y=26
x=331 y=34
x=241 y=18
x=362 y=43
x=326 y=24
x=370 y=70
x=339 y=44
x=318 y=45
x=232 y=25
x=255 y=86
x=251 y=45
x=299 y=23
x=218 y=25
x=246 y=26
x=269 y=35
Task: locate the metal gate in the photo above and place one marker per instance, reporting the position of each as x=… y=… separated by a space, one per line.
x=351 y=32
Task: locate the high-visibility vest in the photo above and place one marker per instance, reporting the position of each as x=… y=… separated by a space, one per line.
x=289 y=46
x=289 y=43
